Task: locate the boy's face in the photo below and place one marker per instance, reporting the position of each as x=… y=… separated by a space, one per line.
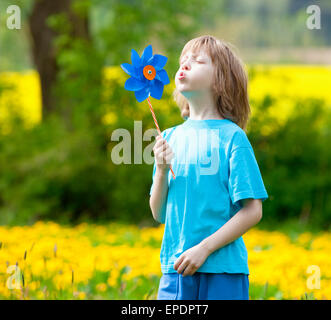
x=198 y=72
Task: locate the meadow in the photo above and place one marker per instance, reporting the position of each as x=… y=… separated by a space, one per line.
x=120 y=261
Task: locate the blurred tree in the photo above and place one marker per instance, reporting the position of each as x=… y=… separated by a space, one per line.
x=44 y=54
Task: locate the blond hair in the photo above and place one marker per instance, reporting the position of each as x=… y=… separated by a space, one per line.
x=230 y=80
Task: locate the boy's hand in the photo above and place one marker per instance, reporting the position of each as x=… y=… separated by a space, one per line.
x=191 y=260
x=163 y=153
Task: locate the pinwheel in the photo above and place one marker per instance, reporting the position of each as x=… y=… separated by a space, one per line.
x=147 y=78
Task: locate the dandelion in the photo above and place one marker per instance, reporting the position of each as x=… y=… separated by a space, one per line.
x=81 y=295
x=101 y=287
x=275 y=261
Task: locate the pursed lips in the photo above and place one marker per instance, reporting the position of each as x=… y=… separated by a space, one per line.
x=181 y=75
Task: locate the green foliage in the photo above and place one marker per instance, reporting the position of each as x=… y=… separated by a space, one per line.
x=52 y=172
x=264 y=292
x=295 y=161
x=49 y=172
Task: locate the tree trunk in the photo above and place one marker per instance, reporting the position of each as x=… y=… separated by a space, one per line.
x=42 y=38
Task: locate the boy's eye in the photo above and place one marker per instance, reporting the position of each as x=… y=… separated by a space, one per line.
x=199 y=61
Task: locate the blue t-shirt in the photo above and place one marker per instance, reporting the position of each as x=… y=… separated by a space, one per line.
x=215 y=168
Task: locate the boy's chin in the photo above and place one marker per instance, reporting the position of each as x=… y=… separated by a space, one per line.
x=189 y=93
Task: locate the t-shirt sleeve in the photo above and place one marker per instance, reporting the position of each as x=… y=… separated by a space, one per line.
x=245 y=180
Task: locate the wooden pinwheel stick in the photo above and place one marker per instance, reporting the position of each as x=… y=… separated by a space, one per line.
x=158 y=130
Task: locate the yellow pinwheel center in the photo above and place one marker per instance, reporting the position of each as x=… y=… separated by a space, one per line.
x=149 y=72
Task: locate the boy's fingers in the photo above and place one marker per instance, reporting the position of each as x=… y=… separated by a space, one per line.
x=162 y=158
x=168 y=158
x=165 y=156
x=159 y=142
x=164 y=146
x=158 y=146
x=168 y=151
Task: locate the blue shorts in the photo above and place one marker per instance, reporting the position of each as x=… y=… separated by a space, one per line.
x=203 y=286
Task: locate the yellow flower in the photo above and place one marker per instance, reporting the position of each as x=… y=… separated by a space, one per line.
x=101 y=287
x=272 y=258
x=81 y=295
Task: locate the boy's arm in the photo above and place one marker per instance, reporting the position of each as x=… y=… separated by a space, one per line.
x=242 y=221
x=159 y=194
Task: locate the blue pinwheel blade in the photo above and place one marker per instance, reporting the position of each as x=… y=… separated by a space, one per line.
x=132 y=84
x=147 y=54
x=136 y=61
x=158 y=61
x=142 y=94
x=157 y=89
x=163 y=76
x=129 y=69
